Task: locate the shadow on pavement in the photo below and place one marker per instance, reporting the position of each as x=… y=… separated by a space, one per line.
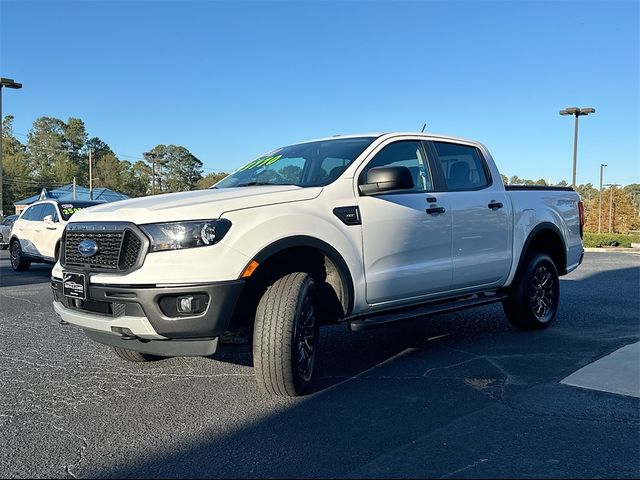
x=398 y=388
x=37 y=273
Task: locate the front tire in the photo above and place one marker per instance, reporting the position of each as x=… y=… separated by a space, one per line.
x=285 y=340
x=18 y=261
x=534 y=297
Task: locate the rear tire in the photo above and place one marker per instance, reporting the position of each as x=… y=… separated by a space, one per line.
x=18 y=261
x=133 y=356
x=535 y=294
x=285 y=340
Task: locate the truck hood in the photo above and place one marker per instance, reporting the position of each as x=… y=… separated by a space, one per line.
x=194 y=205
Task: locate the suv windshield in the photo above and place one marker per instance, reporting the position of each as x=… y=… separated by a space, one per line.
x=306 y=164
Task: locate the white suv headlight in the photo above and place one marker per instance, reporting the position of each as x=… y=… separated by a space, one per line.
x=178 y=235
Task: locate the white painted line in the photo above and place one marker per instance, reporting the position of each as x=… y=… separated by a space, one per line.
x=618 y=372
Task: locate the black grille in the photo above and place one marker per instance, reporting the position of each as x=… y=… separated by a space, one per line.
x=131 y=246
x=117 y=250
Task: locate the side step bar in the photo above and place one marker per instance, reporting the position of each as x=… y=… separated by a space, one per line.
x=387 y=318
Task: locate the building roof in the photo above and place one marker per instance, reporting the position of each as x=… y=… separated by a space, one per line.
x=66 y=194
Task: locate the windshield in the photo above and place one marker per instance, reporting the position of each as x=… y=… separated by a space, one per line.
x=306 y=164
x=69 y=208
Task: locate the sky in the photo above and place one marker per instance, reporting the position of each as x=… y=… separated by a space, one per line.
x=231 y=80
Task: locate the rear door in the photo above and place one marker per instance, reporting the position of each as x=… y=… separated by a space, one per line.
x=481 y=233
x=406 y=251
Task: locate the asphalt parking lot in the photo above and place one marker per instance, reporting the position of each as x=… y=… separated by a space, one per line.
x=461 y=395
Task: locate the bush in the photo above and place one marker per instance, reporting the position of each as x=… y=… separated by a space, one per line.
x=606 y=240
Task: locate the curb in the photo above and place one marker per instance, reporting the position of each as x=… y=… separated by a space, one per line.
x=611 y=250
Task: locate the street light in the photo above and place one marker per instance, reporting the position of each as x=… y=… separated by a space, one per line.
x=602 y=165
x=9 y=83
x=578 y=112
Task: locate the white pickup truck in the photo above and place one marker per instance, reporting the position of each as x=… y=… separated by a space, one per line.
x=367 y=230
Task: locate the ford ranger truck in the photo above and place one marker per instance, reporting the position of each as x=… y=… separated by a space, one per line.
x=365 y=229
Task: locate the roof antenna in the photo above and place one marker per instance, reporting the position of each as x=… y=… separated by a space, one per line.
x=423 y=127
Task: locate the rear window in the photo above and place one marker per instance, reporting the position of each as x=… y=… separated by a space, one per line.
x=462 y=165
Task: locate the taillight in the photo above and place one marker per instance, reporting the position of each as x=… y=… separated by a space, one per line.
x=581 y=215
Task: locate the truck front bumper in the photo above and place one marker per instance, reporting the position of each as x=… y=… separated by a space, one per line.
x=146 y=318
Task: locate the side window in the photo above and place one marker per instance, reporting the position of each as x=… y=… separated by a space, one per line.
x=33 y=213
x=405 y=153
x=49 y=209
x=462 y=166
x=26 y=213
x=38 y=213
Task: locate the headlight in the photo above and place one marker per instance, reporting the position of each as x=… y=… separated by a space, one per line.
x=177 y=235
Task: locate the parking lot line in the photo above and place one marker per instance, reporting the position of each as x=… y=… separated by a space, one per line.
x=618 y=372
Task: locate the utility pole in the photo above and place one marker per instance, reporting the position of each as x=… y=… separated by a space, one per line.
x=74 y=188
x=602 y=165
x=90 y=177
x=153 y=156
x=9 y=83
x=577 y=112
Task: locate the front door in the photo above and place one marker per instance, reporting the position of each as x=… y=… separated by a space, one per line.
x=406 y=251
x=50 y=231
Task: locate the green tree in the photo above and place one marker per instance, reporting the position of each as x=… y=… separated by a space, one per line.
x=209 y=179
x=633 y=190
x=46 y=147
x=138 y=179
x=17 y=182
x=109 y=172
x=75 y=140
x=177 y=169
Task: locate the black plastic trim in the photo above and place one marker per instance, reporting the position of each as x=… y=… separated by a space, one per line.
x=201 y=347
x=105 y=227
x=348 y=215
x=325 y=248
x=538 y=188
x=562 y=269
x=222 y=299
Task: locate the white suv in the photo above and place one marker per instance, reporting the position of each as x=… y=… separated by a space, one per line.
x=36 y=234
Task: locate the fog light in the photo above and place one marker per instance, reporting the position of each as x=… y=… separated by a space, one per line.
x=185 y=304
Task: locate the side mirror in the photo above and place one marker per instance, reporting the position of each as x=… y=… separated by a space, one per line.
x=48 y=219
x=386 y=179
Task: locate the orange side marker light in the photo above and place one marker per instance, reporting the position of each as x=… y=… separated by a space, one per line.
x=249 y=269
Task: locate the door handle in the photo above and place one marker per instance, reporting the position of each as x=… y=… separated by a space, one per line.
x=434 y=210
x=432 y=199
x=52 y=228
x=495 y=205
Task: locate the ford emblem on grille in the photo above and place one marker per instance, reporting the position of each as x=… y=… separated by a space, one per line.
x=88 y=248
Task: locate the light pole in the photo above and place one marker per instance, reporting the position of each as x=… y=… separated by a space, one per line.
x=611 y=187
x=9 y=83
x=602 y=165
x=578 y=112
